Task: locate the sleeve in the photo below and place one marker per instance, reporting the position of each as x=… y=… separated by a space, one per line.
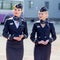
x=5 y=30
x=32 y=36
x=53 y=33
x=25 y=31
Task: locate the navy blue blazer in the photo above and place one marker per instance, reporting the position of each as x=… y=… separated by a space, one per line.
x=39 y=33
x=11 y=31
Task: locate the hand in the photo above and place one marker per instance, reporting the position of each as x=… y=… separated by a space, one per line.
x=46 y=42
x=41 y=42
x=17 y=38
x=21 y=36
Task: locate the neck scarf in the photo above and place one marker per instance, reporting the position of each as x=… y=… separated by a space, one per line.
x=19 y=19
x=43 y=22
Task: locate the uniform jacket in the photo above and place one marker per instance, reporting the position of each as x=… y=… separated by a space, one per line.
x=39 y=33
x=11 y=31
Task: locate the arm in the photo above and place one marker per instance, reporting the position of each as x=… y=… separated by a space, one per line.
x=32 y=36
x=5 y=30
x=25 y=31
x=53 y=33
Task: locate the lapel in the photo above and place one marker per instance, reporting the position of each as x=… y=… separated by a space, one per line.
x=18 y=26
x=14 y=25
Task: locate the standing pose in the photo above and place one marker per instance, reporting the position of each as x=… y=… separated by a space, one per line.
x=45 y=35
x=15 y=30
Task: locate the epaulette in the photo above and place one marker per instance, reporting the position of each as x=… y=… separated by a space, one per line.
x=37 y=21
x=10 y=18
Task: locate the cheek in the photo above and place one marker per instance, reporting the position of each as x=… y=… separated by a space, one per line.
x=19 y=13
x=38 y=15
x=45 y=16
x=41 y=16
x=14 y=12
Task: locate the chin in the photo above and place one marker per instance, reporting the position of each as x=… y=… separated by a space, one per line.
x=16 y=15
x=41 y=19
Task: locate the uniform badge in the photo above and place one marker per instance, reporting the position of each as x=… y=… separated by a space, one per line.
x=11 y=23
x=38 y=26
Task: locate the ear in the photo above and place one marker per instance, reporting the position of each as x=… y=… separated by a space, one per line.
x=46 y=14
x=38 y=12
x=22 y=10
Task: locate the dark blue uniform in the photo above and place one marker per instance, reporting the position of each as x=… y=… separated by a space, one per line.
x=42 y=52
x=14 y=49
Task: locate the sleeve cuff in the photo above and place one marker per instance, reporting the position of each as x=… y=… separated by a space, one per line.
x=50 y=40
x=35 y=41
x=10 y=37
x=25 y=36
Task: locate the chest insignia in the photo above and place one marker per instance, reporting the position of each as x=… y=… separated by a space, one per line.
x=38 y=26
x=11 y=23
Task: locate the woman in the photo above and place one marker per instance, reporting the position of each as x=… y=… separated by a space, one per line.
x=15 y=30
x=42 y=30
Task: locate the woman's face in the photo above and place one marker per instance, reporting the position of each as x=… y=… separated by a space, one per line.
x=43 y=15
x=17 y=12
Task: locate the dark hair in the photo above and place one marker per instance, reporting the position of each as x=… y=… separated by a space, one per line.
x=19 y=6
x=43 y=9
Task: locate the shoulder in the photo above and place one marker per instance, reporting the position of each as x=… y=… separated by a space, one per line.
x=7 y=21
x=24 y=22
x=51 y=24
x=10 y=19
x=37 y=22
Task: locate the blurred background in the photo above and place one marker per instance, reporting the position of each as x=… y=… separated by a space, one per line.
x=30 y=13
x=30 y=10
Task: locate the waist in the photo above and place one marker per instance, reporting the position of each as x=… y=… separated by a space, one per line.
x=42 y=38
x=49 y=44
x=14 y=44
x=15 y=35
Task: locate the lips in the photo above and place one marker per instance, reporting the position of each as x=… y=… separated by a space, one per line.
x=40 y=17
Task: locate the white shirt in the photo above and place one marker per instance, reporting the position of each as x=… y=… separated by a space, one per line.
x=16 y=24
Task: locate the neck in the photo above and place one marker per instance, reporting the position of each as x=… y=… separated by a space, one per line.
x=16 y=18
x=43 y=21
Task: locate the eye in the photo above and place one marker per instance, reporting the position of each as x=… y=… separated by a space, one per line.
x=15 y=9
x=18 y=10
x=41 y=14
